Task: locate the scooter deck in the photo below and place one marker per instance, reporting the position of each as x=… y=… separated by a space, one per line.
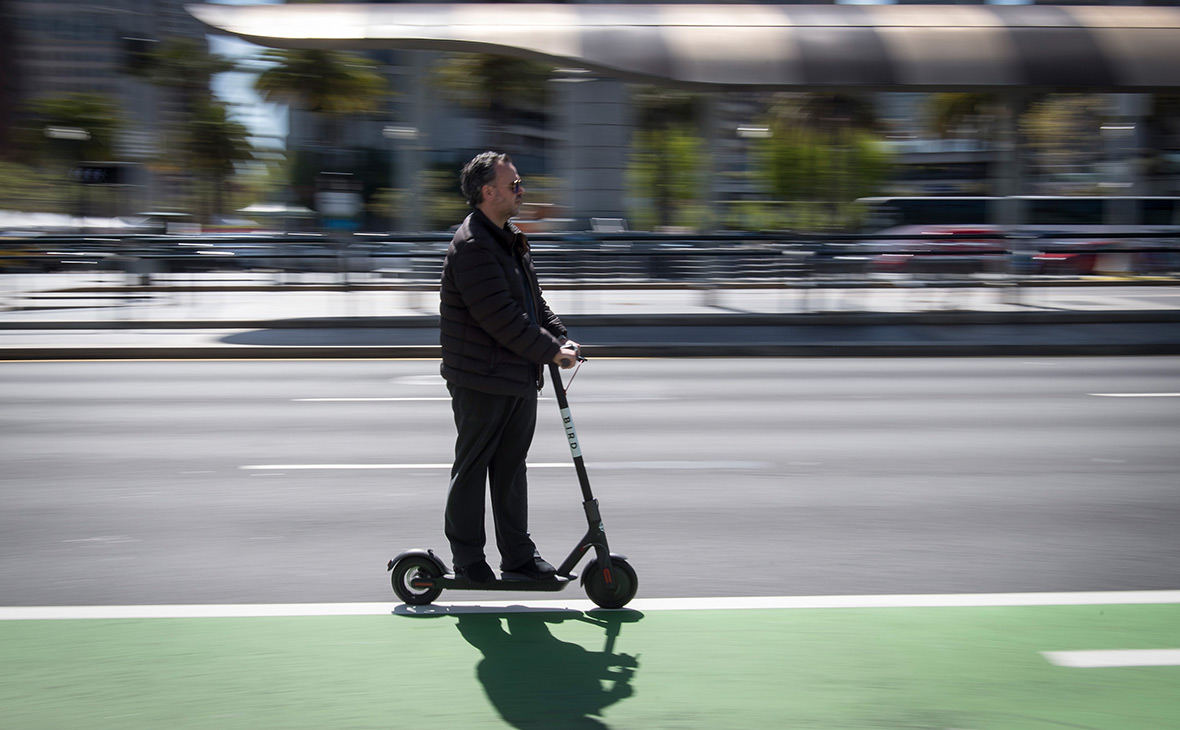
x=508 y=582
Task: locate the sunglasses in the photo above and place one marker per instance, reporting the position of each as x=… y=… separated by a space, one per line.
x=517 y=186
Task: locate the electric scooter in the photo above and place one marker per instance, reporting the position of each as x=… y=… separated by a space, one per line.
x=419 y=576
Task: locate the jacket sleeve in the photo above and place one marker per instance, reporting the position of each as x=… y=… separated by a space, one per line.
x=484 y=287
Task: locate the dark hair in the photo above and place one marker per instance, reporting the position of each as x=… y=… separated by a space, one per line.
x=479 y=172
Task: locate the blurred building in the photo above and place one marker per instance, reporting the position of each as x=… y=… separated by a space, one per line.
x=583 y=135
x=8 y=77
x=56 y=47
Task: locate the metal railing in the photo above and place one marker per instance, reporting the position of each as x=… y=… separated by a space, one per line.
x=608 y=259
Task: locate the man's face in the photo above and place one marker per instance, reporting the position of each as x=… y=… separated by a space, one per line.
x=505 y=194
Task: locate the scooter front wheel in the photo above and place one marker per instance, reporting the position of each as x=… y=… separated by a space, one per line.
x=412 y=568
x=615 y=594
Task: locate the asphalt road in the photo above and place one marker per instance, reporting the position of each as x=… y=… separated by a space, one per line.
x=295 y=481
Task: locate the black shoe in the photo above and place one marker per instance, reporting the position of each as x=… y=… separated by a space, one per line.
x=478 y=572
x=535 y=569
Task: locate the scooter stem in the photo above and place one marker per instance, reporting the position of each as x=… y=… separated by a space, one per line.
x=571 y=435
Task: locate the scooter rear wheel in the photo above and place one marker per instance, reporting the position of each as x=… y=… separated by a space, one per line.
x=611 y=595
x=406 y=570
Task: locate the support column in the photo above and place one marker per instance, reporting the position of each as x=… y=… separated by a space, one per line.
x=597 y=119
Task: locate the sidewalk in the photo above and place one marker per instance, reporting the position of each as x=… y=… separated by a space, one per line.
x=240 y=320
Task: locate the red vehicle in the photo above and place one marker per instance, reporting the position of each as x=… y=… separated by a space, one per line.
x=1058 y=235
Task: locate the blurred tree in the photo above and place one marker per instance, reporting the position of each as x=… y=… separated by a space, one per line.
x=828 y=112
x=666 y=176
x=46 y=130
x=444 y=203
x=669 y=159
x=992 y=120
x=503 y=89
x=970 y=115
x=183 y=69
x=1065 y=141
x=332 y=84
x=31 y=190
x=821 y=154
x=184 y=66
x=59 y=132
x=214 y=144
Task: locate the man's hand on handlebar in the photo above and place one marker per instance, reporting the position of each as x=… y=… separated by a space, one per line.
x=568 y=355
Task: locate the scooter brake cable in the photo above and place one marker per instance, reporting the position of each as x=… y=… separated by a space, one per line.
x=574 y=374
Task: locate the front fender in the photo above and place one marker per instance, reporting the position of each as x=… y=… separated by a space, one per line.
x=613 y=557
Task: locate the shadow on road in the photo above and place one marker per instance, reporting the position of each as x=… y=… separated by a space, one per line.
x=535 y=680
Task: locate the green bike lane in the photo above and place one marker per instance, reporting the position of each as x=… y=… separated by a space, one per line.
x=803 y=666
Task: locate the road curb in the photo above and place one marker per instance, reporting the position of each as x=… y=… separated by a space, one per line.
x=753 y=319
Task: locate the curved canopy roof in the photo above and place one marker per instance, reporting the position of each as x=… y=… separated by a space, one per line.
x=882 y=47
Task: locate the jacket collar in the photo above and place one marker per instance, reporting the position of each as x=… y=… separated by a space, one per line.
x=508 y=236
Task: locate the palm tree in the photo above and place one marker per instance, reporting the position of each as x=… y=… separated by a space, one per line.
x=184 y=66
x=183 y=69
x=329 y=83
x=500 y=87
x=214 y=144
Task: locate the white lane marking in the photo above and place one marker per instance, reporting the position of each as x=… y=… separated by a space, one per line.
x=302 y=467
x=375 y=399
x=368 y=400
x=432 y=380
x=648 y=465
x=1135 y=395
x=1106 y=658
x=247 y=610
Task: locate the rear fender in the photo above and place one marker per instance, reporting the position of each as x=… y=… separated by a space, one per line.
x=417 y=552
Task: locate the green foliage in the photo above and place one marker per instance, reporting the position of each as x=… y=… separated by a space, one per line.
x=492 y=83
x=330 y=82
x=438 y=195
x=337 y=85
x=444 y=205
x=659 y=107
x=976 y=114
x=666 y=179
x=819 y=172
x=213 y=145
x=27 y=189
x=214 y=142
x=184 y=65
x=1064 y=138
x=96 y=114
x=501 y=88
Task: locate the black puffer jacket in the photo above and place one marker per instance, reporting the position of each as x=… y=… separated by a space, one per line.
x=489 y=343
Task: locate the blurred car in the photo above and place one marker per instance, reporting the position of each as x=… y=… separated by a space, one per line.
x=945 y=251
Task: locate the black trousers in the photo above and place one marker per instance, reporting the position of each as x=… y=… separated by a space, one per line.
x=494 y=435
